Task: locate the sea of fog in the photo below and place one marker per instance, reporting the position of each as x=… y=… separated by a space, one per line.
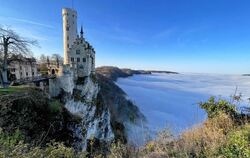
x=171 y=100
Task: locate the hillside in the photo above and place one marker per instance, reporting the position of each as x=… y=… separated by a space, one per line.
x=38 y=118
x=114 y=72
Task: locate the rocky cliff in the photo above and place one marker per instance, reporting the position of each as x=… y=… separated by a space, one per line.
x=42 y=119
x=84 y=113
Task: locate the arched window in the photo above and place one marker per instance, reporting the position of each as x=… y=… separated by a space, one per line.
x=53 y=71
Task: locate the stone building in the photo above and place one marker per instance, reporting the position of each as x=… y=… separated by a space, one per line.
x=79 y=55
x=22 y=68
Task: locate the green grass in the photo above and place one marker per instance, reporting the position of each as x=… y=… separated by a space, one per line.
x=12 y=89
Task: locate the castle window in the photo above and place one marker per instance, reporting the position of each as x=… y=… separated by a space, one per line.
x=21 y=73
x=78 y=51
x=33 y=73
x=72 y=59
x=83 y=59
x=78 y=59
x=27 y=74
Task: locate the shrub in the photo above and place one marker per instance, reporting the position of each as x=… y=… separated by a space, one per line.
x=14 y=147
x=120 y=150
x=10 y=140
x=238 y=144
x=214 y=107
x=55 y=106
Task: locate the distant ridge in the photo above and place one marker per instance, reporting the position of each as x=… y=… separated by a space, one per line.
x=246 y=75
x=114 y=73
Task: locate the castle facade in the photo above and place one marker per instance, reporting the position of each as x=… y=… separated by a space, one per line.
x=79 y=55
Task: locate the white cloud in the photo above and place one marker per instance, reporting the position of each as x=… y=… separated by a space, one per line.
x=28 y=22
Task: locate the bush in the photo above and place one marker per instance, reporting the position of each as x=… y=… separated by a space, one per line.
x=55 y=106
x=238 y=144
x=120 y=150
x=14 y=147
x=215 y=107
x=10 y=140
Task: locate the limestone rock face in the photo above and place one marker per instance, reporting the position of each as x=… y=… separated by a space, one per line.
x=82 y=99
x=106 y=113
x=64 y=82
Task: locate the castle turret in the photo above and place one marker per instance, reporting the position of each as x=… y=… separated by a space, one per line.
x=69 y=30
x=81 y=32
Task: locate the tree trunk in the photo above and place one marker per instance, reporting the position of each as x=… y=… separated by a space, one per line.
x=1 y=80
x=5 y=64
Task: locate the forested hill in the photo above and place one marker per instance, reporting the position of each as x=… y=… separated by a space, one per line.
x=114 y=73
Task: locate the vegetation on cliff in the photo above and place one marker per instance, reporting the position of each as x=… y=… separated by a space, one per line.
x=113 y=73
x=38 y=118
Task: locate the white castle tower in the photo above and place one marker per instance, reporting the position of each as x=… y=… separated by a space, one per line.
x=69 y=30
x=79 y=55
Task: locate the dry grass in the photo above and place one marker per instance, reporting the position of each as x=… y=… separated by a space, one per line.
x=200 y=141
x=203 y=140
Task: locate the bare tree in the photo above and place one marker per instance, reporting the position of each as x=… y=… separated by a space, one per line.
x=11 y=43
x=43 y=59
x=57 y=58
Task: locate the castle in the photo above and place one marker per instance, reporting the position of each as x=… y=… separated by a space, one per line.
x=79 y=55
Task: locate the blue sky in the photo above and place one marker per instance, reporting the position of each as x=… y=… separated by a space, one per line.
x=211 y=36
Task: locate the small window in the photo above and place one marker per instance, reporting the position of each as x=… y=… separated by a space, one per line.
x=67 y=37
x=67 y=28
x=68 y=45
x=78 y=59
x=78 y=51
x=83 y=59
x=33 y=73
x=20 y=67
x=72 y=59
x=21 y=73
x=27 y=74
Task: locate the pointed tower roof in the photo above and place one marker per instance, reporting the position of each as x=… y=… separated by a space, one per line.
x=81 y=32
